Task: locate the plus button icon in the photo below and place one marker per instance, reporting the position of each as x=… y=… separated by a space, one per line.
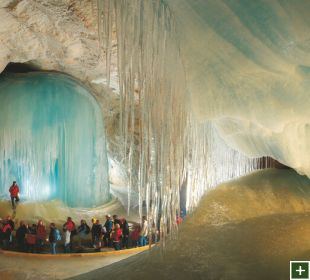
x=300 y=270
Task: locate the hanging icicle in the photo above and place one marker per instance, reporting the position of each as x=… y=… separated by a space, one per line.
x=163 y=145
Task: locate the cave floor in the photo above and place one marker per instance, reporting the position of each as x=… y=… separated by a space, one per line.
x=19 y=267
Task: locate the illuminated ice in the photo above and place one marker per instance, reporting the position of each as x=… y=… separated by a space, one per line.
x=52 y=140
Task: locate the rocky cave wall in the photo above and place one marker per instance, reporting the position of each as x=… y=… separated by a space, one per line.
x=61 y=35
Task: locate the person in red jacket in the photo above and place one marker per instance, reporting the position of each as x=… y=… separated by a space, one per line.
x=116 y=237
x=135 y=236
x=14 y=191
x=70 y=227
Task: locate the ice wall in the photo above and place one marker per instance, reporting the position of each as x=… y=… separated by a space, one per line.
x=247 y=69
x=52 y=140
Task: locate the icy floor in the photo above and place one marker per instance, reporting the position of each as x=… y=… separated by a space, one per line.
x=20 y=268
x=246 y=229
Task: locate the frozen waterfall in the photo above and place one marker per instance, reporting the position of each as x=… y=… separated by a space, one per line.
x=52 y=140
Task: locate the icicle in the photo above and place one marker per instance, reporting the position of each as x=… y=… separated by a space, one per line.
x=163 y=144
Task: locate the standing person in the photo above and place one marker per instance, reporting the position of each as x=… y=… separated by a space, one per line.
x=98 y=229
x=70 y=226
x=31 y=238
x=83 y=231
x=93 y=221
x=14 y=192
x=53 y=238
x=116 y=237
x=108 y=226
x=21 y=236
x=144 y=232
x=11 y=222
x=41 y=235
x=125 y=233
x=67 y=241
x=116 y=220
x=7 y=235
x=135 y=236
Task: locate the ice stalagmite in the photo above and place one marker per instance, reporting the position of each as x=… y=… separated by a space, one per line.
x=52 y=140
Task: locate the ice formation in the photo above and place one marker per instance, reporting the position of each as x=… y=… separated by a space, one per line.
x=247 y=69
x=164 y=145
x=52 y=140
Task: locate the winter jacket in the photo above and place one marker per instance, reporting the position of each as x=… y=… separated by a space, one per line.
x=125 y=228
x=116 y=235
x=14 y=190
x=69 y=226
x=41 y=232
x=21 y=232
x=135 y=235
x=108 y=225
x=52 y=236
x=97 y=230
x=84 y=229
x=6 y=231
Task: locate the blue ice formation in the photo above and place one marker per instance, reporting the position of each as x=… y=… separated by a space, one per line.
x=52 y=140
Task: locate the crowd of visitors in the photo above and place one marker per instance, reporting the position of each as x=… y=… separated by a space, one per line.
x=114 y=233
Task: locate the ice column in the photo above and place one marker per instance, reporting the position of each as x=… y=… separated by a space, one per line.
x=52 y=140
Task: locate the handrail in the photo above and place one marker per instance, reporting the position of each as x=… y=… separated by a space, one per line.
x=94 y=254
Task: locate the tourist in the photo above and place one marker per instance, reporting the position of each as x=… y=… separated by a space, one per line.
x=116 y=220
x=31 y=238
x=98 y=231
x=21 y=236
x=108 y=226
x=93 y=221
x=54 y=236
x=41 y=236
x=83 y=231
x=143 y=232
x=125 y=233
x=67 y=241
x=7 y=235
x=70 y=226
x=116 y=237
x=11 y=222
x=135 y=236
x=14 y=193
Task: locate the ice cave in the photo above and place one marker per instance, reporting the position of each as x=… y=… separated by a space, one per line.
x=157 y=109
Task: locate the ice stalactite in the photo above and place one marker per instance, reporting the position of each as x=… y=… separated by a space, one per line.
x=163 y=144
x=210 y=161
x=52 y=140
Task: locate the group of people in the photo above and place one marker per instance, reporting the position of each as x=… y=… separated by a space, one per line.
x=114 y=233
